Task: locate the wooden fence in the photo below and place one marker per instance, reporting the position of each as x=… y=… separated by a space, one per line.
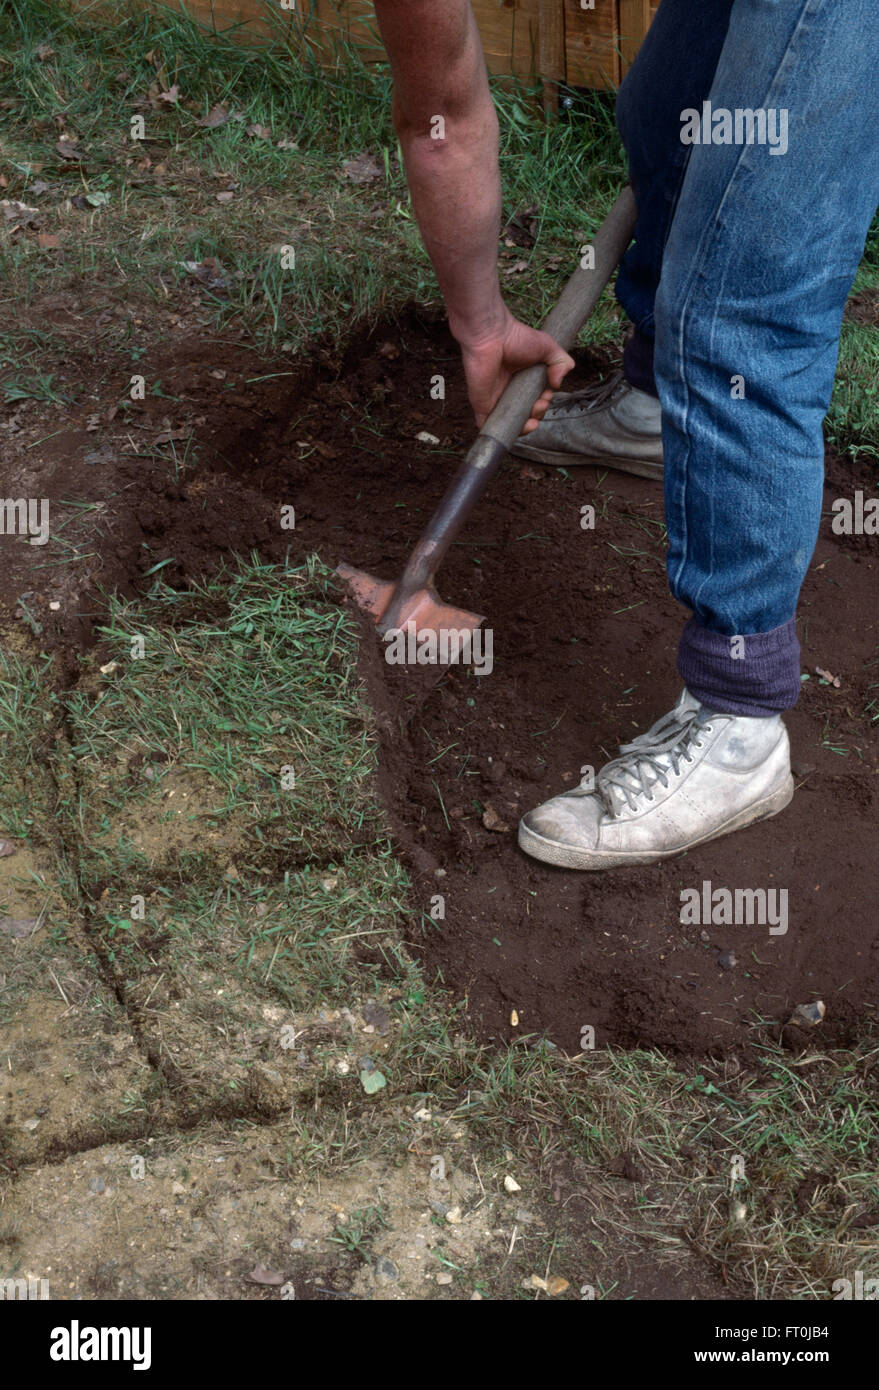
x=581 y=43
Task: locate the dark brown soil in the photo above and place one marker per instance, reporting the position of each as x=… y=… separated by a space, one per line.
x=584 y=656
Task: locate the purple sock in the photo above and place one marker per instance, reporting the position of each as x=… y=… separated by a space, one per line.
x=638 y=362
x=757 y=675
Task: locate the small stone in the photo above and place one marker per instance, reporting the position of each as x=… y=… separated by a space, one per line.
x=493 y=821
x=30 y=1124
x=444 y=1278
x=704 y=935
x=511 y=1185
x=808 y=1015
x=476 y=1296
x=386 y=1268
x=297 y=1244
x=197 y=1225
x=514 y=1019
x=97 y=1185
x=727 y=960
x=440 y=1208
x=454 y=1216
x=178 y=1189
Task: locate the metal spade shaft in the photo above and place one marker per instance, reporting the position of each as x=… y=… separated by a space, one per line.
x=413 y=598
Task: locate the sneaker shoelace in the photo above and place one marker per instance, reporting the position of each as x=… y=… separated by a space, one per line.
x=661 y=751
x=590 y=398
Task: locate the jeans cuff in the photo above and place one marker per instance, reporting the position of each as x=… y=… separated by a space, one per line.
x=638 y=362
x=756 y=675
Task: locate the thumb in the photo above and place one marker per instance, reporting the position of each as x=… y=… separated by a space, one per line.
x=558 y=364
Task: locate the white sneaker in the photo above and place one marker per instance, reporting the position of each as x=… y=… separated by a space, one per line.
x=692 y=777
x=613 y=425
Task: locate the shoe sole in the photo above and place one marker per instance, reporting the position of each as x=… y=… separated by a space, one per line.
x=565 y=857
x=643 y=468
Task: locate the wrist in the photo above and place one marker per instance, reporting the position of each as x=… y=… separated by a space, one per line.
x=473 y=331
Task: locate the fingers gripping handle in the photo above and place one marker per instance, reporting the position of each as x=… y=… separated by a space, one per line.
x=576 y=302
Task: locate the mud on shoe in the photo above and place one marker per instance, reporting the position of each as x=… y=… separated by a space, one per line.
x=695 y=775
x=614 y=425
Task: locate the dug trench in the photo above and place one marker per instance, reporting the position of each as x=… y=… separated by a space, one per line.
x=584 y=637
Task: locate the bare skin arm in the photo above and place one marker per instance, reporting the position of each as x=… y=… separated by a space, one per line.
x=439 y=71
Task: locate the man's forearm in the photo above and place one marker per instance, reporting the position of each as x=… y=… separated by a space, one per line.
x=439 y=72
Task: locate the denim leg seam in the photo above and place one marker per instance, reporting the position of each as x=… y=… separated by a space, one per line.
x=697 y=277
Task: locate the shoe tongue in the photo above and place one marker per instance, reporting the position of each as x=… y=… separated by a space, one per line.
x=705 y=715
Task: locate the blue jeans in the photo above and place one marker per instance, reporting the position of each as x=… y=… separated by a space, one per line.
x=743 y=258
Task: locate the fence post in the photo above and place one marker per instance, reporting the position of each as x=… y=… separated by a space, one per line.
x=634 y=23
x=551 y=46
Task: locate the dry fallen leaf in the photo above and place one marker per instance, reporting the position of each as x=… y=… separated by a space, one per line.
x=171 y=94
x=259 y=132
x=557 y=1285
x=208 y=272
x=45 y=51
x=363 y=169
x=19 y=214
x=66 y=147
x=8 y=847
x=48 y=240
x=217 y=116
x=224 y=197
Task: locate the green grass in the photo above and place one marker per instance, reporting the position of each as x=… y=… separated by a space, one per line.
x=357 y=249
x=240 y=704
